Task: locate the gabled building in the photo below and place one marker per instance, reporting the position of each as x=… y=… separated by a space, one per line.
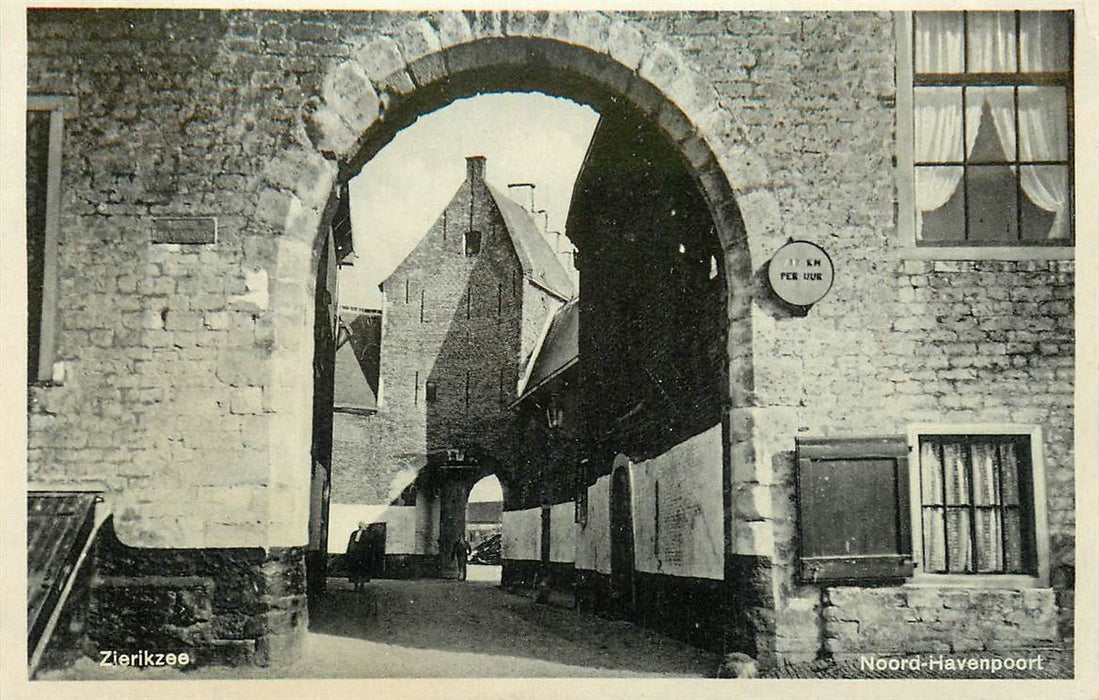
x=462 y=314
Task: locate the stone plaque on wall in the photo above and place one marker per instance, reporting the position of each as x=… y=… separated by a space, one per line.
x=189 y=230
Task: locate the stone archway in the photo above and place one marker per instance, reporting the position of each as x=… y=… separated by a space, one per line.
x=431 y=61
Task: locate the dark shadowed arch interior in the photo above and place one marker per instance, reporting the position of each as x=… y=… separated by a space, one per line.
x=654 y=228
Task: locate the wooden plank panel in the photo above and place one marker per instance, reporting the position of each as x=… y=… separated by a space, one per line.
x=853 y=515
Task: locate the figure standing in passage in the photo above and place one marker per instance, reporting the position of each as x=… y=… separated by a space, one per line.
x=358 y=557
x=460 y=552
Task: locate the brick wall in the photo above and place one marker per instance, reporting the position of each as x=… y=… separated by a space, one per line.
x=461 y=322
x=183 y=361
x=167 y=348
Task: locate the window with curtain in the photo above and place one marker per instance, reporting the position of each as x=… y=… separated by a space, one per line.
x=992 y=122
x=977 y=504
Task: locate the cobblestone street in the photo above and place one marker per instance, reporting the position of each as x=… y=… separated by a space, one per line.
x=439 y=629
x=431 y=628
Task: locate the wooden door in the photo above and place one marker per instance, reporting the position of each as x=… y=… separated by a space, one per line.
x=622 y=545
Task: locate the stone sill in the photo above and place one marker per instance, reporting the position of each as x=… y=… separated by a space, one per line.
x=987 y=253
x=971 y=582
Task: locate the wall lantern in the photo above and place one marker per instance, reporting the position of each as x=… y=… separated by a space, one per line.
x=555 y=414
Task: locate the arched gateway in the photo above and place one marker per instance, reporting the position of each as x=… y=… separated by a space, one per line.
x=182 y=175
x=593 y=58
x=383 y=80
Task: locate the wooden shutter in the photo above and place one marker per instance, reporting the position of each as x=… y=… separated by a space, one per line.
x=853 y=517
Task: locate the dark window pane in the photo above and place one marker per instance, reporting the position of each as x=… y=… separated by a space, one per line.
x=991 y=198
x=946 y=222
x=938 y=42
x=37 y=179
x=990 y=42
x=1045 y=39
x=992 y=112
x=473 y=243
x=1045 y=207
x=1014 y=539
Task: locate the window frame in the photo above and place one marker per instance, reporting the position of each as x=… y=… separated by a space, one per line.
x=905 y=177
x=472 y=242
x=1039 y=515
x=59 y=107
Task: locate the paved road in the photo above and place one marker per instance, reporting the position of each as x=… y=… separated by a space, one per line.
x=471 y=629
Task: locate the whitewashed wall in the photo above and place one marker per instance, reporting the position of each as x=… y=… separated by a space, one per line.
x=522 y=534
x=593 y=541
x=563 y=529
x=400 y=525
x=689 y=539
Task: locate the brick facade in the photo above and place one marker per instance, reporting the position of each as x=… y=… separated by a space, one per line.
x=185 y=367
x=462 y=313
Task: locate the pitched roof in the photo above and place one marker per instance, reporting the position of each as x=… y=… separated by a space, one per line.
x=540 y=263
x=557 y=350
x=356 y=369
x=484 y=511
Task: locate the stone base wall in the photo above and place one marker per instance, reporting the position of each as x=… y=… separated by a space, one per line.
x=751 y=627
x=402 y=566
x=847 y=621
x=222 y=606
x=694 y=610
x=525 y=573
x=519 y=573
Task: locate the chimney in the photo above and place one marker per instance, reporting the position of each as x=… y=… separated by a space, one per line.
x=515 y=191
x=475 y=168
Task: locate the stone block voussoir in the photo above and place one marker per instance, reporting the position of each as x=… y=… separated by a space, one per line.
x=452 y=27
x=663 y=67
x=307 y=174
x=417 y=39
x=428 y=69
x=626 y=44
x=588 y=29
x=348 y=91
x=273 y=206
x=527 y=23
x=485 y=23
x=743 y=168
x=380 y=57
x=327 y=131
x=674 y=122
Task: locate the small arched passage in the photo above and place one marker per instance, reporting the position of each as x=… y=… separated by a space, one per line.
x=590 y=58
x=484 y=527
x=622 y=540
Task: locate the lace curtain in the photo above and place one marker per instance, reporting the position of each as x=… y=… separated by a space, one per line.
x=971 y=519
x=938 y=110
